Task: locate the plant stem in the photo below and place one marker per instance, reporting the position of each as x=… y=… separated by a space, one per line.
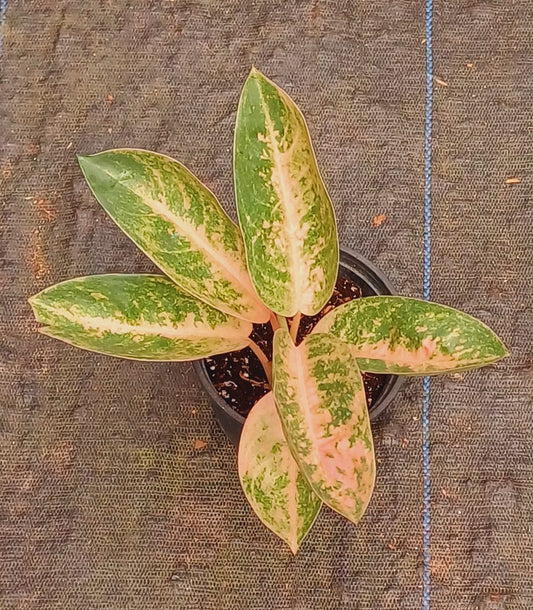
x=274 y=322
x=295 y=325
x=283 y=322
x=265 y=362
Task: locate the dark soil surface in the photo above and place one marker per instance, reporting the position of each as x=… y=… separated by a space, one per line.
x=239 y=378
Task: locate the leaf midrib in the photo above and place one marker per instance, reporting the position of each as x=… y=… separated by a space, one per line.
x=293 y=224
x=300 y=379
x=120 y=327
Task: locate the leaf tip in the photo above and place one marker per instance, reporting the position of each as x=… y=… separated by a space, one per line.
x=257 y=76
x=500 y=350
x=86 y=162
x=34 y=303
x=83 y=162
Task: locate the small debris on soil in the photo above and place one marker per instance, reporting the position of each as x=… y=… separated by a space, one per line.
x=469 y=64
x=6 y=170
x=378 y=220
x=445 y=493
x=199 y=444
x=316 y=11
x=512 y=181
x=36 y=256
x=110 y=98
x=239 y=378
x=45 y=208
x=34 y=149
x=441 y=82
x=457 y=376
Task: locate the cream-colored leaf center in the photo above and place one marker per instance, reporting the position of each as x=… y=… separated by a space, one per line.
x=188 y=329
x=283 y=184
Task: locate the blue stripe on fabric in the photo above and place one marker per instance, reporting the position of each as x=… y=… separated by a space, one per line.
x=426 y=514
x=3 y=8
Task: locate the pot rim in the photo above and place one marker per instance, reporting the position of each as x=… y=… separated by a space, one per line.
x=376 y=280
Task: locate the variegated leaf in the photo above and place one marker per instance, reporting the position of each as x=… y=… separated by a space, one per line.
x=270 y=478
x=321 y=400
x=284 y=210
x=405 y=336
x=178 y=223
x=143 y=317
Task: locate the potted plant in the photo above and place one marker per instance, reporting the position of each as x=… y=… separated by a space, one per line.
x=235 y=381
x=307 y=441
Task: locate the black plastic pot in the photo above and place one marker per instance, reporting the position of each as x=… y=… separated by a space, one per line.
x=372 y=281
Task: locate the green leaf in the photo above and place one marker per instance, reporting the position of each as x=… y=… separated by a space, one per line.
x=321 y=400
x=143 y=317
x=404 y=336
x=178 y=223
x=270 y=478
x=284 y=210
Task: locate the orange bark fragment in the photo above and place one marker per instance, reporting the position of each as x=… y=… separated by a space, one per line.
x=45 y=209
x=378 y=220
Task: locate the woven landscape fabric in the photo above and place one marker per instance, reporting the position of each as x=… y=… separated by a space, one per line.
x=107 y=499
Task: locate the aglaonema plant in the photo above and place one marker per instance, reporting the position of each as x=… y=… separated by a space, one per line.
x=308 y=441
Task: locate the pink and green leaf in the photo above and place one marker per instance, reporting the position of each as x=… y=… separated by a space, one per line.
x=179 y=224
x=274 y=486
x=321 y=401
x=405 y=336
x=142 y=317
x=284 y=210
